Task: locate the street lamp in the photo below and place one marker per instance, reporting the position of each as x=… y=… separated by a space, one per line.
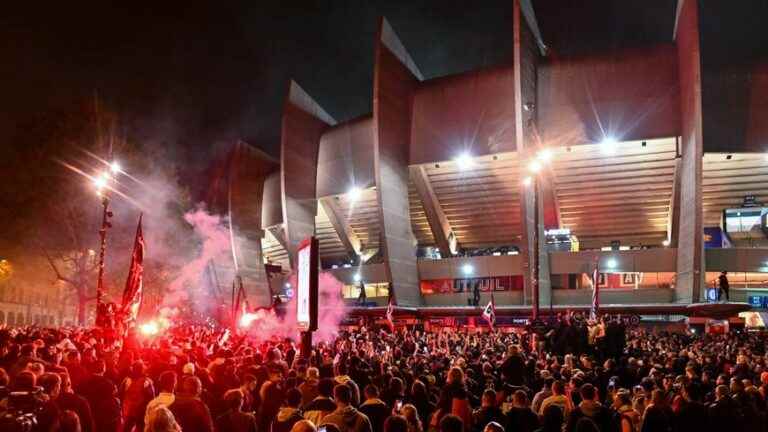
x=101 y=182
x=535 y=167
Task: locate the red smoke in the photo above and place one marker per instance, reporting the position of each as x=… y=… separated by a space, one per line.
x=266 y=324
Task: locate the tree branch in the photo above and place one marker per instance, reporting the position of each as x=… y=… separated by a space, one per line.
x=55 y=268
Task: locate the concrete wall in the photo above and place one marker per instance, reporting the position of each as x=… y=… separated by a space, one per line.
x=630 y=94
x=648 y=260
x=472 y=112
x=484 y=266
x=370 y=273
x=737 y=260
x=346 y=158
x=612 y=296
x=501 y=298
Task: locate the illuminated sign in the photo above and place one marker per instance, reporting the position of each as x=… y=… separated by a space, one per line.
x=558 y=232
x=306 y=291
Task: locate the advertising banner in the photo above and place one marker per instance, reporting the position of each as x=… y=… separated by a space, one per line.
x=486 y=284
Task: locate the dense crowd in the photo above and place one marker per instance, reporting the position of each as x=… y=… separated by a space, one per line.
x=577 y=376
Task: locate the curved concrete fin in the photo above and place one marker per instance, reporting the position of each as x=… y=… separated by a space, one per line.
x=390 y=40
x=300 y=98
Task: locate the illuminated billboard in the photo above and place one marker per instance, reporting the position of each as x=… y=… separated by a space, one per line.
x=306 y=291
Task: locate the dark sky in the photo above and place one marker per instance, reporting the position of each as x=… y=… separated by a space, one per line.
x=195 y=72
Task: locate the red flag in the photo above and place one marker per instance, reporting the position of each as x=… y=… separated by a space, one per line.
x=390 y=314
x=133 y=291
x=489 y=313
x=595 y=294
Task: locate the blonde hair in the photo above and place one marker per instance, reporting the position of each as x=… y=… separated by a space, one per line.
x=163 y=421
x=411 y=414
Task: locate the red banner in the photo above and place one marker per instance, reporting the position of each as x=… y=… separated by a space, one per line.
x=488 y=284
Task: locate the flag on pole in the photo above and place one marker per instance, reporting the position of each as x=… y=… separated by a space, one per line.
x=595 y=293
x=489 y=313
x=390 y=314
x=133 y=291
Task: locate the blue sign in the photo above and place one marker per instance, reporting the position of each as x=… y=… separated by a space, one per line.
x=713 y=237
x=712 y=294
x=758 y=301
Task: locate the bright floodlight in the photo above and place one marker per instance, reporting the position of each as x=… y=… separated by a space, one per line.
x=534 y=166
x=100 y=182
x=665 y=243
x=354 y=193
x=287 y=285
x=467 y=269
x=357 y=277
x=464 y=161
x=545 y=155
x=608 y=145
x=527 y=181
x=114 y=167
x=611 y=263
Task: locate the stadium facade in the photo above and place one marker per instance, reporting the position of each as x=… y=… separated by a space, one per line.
x=561 y=164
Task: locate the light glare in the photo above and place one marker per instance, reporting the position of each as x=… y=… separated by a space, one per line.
x=355 y=193
x=357 y=277
x=527 y=181
x=608 y=145
x=611 y=263
x=464 y=161
x=545 y=155
x=114 y=167
x=534 y=166
x=467 y=269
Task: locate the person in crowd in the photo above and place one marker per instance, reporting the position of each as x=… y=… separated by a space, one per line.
x=289 y=413
x=657 y=417
x=137 y=390
x=628 y=418
x=552 y=419
x=395 y=423
x=323 y=404
x=545 y=392
x=520 y=416
x=68 y=400
x=309 y=388
x=724 y=285
x=234 y=419
x=411 y=414
x=451 y=423
x=346 y=417
x=558 y=399
x=374 y=408
x=488 y=412
x=166 y=397
x=591 y=408
x=189 y=411
x=162 y=421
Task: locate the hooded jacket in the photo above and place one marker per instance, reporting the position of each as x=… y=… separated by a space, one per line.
x=377 y=411
x=348 y=419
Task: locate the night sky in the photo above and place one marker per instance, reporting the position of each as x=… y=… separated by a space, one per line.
x=191 y=74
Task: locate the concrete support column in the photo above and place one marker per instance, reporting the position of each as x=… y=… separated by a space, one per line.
x=690 y=250
x=303 y=124
x=395 y=80
x=525 y=66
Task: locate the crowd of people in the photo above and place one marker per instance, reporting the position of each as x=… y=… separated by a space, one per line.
x=576 y=377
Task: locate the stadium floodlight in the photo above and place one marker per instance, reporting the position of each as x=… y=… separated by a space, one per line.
x=467 y=269
x=114 y=167
x=357 y=277
x=544 y=155
x=534 y=166
x=665 y=243
x=611 y=263
x=608 y=145
x=464 y=161
x=354 y=193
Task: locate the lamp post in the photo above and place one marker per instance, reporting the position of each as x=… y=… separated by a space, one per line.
x=102 y=190
x=535 y=166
